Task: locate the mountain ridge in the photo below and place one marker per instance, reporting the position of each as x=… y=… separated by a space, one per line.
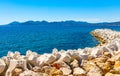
x=67 y=23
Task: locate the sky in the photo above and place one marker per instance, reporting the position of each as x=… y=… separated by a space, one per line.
x=92 y=11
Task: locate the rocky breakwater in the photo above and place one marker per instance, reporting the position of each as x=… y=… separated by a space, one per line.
x=105 y=35
x=102 y=60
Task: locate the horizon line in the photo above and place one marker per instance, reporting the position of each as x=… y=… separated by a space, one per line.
x=60 y=21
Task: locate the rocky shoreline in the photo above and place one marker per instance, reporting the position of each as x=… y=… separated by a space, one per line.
x=101 y=60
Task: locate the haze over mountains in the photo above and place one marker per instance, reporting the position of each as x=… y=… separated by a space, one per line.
x=64 y=23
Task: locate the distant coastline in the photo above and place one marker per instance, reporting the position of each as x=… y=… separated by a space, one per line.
x=67 y=23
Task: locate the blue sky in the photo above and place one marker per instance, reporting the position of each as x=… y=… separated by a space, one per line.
x=59 y=10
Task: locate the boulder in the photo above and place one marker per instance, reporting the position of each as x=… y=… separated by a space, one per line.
x=117 y=64
x=58 y=65
x=55 y=72
x=2 y=65
x=17 y=71
x=29 y=73
x=66 y=71
x=64 y=57
x=74 y=54
x=14 y=64
x=45 y=59
x=110 y=74
x=74 y=64
x=56 y=53
x=94 y=71
x=78 y=72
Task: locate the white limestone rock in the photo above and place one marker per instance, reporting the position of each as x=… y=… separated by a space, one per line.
x=96 y=51
x=16 y=63
x=78 y=71
x=17 y=55
x=2 y=65
x=106 y=35
x=108 y=50
x=29 y=73
x=74 y=64
x=31 y=57
x=45 y=59
x=64 y=57
x=56 y=53
x=94 y=71
x=74 y=54
x=10 y=54
x=84 y=56
x=50 y=59
x=29 y=52
x=66 y=71
x=7 y=60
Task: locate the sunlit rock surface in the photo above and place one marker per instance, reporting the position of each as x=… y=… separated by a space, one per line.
x=101 y=60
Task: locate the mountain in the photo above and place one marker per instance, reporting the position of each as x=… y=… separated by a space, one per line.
x=34 y=23
x=63 y=23
x=14 y=23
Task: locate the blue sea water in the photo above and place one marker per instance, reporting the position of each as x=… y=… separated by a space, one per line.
x=42 y=39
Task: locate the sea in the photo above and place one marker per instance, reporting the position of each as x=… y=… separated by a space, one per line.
x=42 y=39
